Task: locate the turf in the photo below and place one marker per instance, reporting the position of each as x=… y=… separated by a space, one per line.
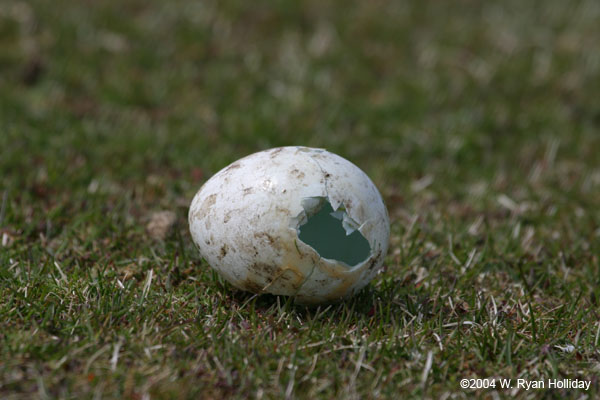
x=478 y=121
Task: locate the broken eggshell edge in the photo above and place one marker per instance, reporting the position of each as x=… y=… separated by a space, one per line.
x=245 y=222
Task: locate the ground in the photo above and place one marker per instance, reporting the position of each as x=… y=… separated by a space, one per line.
x=478 y=121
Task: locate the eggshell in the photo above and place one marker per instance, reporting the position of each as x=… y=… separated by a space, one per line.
x=246 y=219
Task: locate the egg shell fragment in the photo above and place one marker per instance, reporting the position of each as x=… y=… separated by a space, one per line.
x=245 y=222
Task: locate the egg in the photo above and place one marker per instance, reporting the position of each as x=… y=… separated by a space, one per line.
x=294 y=221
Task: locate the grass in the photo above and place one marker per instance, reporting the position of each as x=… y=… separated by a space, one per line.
x=478 y=121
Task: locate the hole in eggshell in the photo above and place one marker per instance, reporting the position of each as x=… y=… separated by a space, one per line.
x=332 y=234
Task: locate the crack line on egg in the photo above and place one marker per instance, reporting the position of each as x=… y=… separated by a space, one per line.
x=307 y=277
x=279 y=275
x=311 y=270
x=364 y=223
x=325 y=176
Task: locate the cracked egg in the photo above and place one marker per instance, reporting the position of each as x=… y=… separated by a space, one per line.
x=293 y=221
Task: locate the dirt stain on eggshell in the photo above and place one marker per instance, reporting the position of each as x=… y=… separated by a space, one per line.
x=235 y=165
x=297 y=173
x=250 y=286
x=374 y=261
x=268 y=238
x=206 y=206
x=286 y=278
x=223 y=252
x=276 y=151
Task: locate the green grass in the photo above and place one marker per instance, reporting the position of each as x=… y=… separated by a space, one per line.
x=478 y=121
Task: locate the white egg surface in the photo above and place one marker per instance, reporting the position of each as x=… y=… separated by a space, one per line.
x=293 y=221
